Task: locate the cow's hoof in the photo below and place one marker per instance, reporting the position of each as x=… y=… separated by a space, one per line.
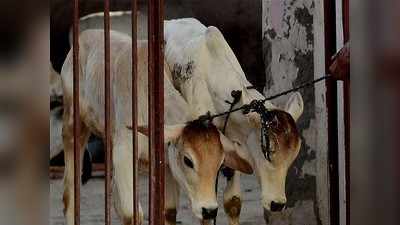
x=170 y=216
x=267 y=216
x=233 y=207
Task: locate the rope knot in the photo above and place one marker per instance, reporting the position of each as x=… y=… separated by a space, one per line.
x=205 y=119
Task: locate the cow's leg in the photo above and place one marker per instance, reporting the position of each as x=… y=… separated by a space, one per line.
x=232 y=198
x=171 y=198
x=68 y=141
x=123 y=180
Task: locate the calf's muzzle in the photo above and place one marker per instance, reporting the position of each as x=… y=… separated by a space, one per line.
x=209 y=214
x=277 y=206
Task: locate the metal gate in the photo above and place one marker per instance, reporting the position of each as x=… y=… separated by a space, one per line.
x=156 y=111
x=155 y=104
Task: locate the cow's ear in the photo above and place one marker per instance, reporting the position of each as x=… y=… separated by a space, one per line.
x=171 y=132
x=294 y=106
x=234 y=161
x=234 y=156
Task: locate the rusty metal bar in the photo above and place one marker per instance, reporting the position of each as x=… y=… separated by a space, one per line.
x=346 y=20
x=331 y=103
x=135 y=213
x=156 y=111
x=77 y=169
x=346 y=96
x=107 y=135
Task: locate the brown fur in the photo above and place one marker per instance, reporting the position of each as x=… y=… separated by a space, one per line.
x=233 y=207
x=203 y=139
x=197 y=130
x=65 y=201
x=129 y=221
x=285 y=134
x=285 y=128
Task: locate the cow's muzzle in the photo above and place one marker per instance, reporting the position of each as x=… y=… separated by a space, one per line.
x=209 y=214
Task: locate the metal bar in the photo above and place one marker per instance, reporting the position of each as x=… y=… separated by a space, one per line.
x=135 y=218
x=331 y=103
x=77 y=169
x=346 y=20
x=108 y=147
x=346 y=96
x=156 y=111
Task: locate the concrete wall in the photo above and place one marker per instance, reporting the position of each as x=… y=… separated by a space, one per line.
x=293 y=53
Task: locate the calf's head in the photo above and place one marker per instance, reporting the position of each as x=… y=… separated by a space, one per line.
x=196 y=151
x=284 y=145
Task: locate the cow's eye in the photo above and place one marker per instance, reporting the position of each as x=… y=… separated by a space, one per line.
x=188 y=162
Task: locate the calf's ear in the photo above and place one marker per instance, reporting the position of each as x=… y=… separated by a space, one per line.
x=171 y=132
x=233 y=159
x=294 y=106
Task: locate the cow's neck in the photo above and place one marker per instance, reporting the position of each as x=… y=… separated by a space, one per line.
x=238 y=126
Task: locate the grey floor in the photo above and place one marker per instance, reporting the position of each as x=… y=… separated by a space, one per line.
x=92 y=203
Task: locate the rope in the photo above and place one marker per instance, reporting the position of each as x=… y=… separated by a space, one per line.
x=248 y=107
x=258 y=107
x=298 y=87
x=236 y=94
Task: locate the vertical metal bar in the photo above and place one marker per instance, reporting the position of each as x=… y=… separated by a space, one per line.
x=331 y=102
x=346 y=20
x=346 y=108
x=156 y=111
x=135 y=219
x=77 y=168
x=108 y=147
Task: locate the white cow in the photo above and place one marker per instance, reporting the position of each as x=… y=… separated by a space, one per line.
x=205 y=71
x=196 y=150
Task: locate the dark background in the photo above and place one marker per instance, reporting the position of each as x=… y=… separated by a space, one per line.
x=240 y=22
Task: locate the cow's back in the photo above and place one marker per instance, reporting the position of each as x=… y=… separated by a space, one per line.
x=91 y=71
x=92 y=83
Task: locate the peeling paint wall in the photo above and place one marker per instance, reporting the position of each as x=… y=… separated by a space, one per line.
x=293 y=54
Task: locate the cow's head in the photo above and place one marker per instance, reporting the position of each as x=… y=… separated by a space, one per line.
x=285 y=142
x=196 y=151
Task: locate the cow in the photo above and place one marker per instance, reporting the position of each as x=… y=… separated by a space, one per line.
x=195 y=150
x=206 y=71
x=55 y=93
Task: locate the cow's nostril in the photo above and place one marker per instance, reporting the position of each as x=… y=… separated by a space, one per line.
x=276 y=206
x=209 y=213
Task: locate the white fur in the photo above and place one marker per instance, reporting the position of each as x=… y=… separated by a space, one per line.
x=294 y=106
x=56 y=145
x=92 y=107
x=217 y=72
x=91 y=94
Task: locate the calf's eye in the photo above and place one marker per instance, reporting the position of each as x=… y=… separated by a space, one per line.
x=188 y=162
